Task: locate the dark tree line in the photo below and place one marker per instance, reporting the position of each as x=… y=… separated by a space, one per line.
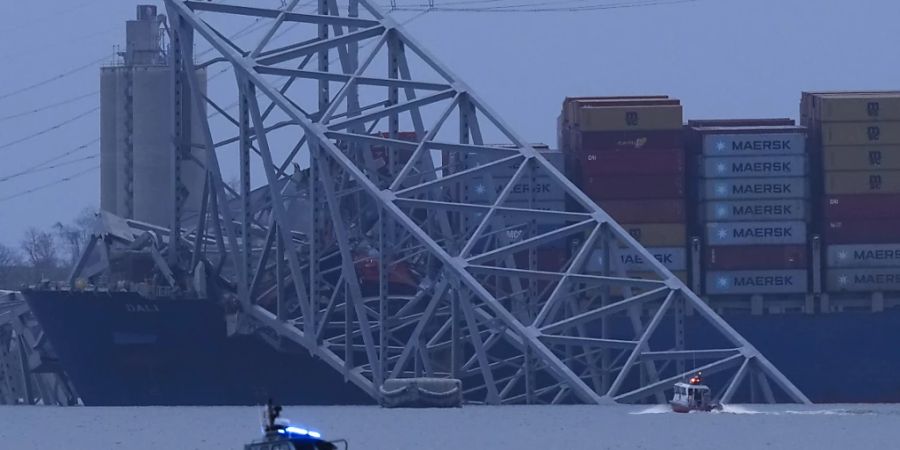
x=45 y=254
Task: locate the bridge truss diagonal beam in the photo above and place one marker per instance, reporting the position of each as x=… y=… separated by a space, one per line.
x=401 y=245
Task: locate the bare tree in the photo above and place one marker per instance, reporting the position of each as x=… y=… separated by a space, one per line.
x=40 y=252
x=9 y=260
x=74 y=236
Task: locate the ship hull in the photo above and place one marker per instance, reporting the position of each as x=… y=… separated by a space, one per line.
x=121 y=349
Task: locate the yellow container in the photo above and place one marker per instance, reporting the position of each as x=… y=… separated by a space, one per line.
x=863 y=182
x=625 y=118
x=860 y=133
x=658 y=234
x=857 y=107
x=871 y=157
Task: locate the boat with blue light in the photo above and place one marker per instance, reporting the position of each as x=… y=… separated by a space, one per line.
x=279 y=434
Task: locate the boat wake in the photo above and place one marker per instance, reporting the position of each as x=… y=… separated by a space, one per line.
x=764 y=410
x=743 y=409
x=655 y=409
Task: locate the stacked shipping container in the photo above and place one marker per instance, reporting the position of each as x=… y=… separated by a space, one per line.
x=533 y=190
x=857 y=139
x=752 y=205
x=627 y=154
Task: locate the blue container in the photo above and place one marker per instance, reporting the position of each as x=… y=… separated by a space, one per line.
x=754 y=210
x=755 y=233
x=867 y=255
x=756 y=282
x=673 y=258
x=754 y=144
x=754 y=166
x=863 y=280
x=755 y=188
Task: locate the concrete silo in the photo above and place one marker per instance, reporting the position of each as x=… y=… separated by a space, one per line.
x=137 y=129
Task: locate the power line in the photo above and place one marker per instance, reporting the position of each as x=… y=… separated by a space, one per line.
x=51 y=184
x=48 y=130
x=50 y=160
x=51 y=167
x=50 y=106
x=54 y=78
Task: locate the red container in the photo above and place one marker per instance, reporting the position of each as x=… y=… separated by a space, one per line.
x=645 y=211
x=884 y=231
x=630 y=162
x=626 y=140
x=547 y=259
x=381 y=153
x=862 y=207
x=644 y=187
x=756 y=257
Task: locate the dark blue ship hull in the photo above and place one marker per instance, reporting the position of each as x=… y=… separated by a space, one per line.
x=848 y=357
x=121 y=349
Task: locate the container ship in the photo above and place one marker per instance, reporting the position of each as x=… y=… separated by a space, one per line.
x=791 y=232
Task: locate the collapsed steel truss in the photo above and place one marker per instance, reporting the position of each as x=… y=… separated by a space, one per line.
x=29 y=373
x=485 y=304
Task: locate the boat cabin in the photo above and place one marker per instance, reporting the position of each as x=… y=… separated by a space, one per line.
x=291 y=442
x=692 y=396
x=280 y=435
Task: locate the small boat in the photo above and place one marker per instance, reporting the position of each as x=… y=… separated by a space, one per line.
x=692 y=396
x=280 y=435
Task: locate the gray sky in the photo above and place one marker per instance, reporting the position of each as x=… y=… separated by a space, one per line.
x=722 y=58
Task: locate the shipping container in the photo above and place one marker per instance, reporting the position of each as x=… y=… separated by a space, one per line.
x=629 y=162
x=857 y=108
x=658 y=234
x=791 y=142
x=863 y=182
x=617 y=118
x=382 y=156
x=572 y=109
x=517 y=232
x=756 y=282
x=755 y=188
x=617 y=291
x=634 y=187
x=883 y=231
x=862 y=207
x=754 y=166
x=680 y=274
x=572 y=104
x=809 y=101
x=673 y=258
x=465 y=161
x=538 y=189
x=529 y=217
x=755 y=233
x=626 y=140
x=871 y=157
x=863 y=280
x=883 y=255
x=756 y=257
x=719 y=123
x=754 y=210
x=645 y=211
x=545 y=259
x=860 y=133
